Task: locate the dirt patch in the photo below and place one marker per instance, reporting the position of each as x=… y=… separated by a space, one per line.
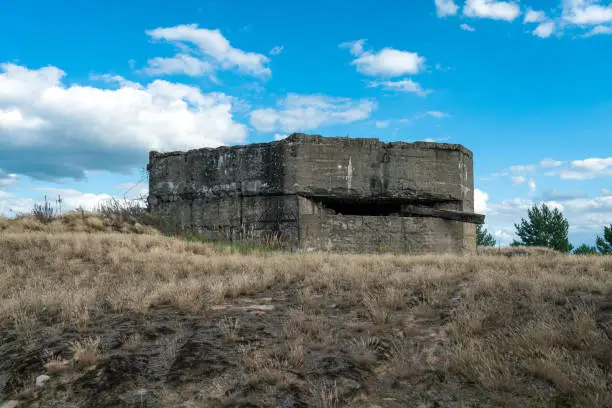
x=185 y=357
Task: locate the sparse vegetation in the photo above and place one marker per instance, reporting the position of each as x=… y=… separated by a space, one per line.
x=74 y=222
x=44 y=212
x=114 y=207
x=117 y=319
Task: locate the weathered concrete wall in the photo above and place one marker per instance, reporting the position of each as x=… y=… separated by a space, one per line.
x=285 y=187
x=235 y=218
x=369 y=234
x=358 y=168
x=255 y=169
x=318 y=166
x=230 y=193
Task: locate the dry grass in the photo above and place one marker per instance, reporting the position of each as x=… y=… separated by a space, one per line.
x=57 y=365
x=229 y=327
x=75 y=221
x=86 y=352
x=325 y=395
x=523 y=328
x=132 y=342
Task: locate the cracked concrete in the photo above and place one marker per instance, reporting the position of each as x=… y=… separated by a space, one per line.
x=313 y=192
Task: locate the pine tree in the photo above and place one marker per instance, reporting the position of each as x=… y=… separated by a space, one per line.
x=604 y=244
x=585 y=249
x=483 y=237
x=544 y=227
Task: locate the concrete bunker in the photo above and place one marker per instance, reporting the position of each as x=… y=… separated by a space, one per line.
x=341 y=194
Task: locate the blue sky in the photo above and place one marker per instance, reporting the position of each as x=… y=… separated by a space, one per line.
x=87 y=88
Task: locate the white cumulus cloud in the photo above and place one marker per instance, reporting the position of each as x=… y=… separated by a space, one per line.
x=592 y=17
x=82 y=127
x=306 y=112
x=446 y=8
x=403 y=85
x=550 y=163
x=496 y=10
x=532 y=185
x=523 y=168
x=179 y=64
x=355 y=47
x=210 y=46
x=13 y=118
x=387 y=62
x=545 y=29
x=587 y=169
x=480 y=201
x=533 y=16
x=599 y=30
x=587 y=12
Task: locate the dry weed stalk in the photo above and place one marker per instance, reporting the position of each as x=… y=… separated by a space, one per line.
x=86 y=352
x=365 y=350
x=82 y=321
x=376 y=308
x=229 y=327
x=325 y=394
x=295 y=354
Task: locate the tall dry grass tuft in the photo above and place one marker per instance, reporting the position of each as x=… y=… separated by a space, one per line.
x=325 y=394
x=86 y=352
x=229 y=327
x=378 y=311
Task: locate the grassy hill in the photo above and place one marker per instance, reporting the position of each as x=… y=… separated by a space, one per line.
x=117 y=314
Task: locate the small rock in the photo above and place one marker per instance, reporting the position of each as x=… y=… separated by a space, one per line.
x=10 y=404
x=41 y=380
x=455 y=299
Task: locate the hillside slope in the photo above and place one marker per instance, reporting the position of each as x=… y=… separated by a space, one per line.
x=124 y=319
